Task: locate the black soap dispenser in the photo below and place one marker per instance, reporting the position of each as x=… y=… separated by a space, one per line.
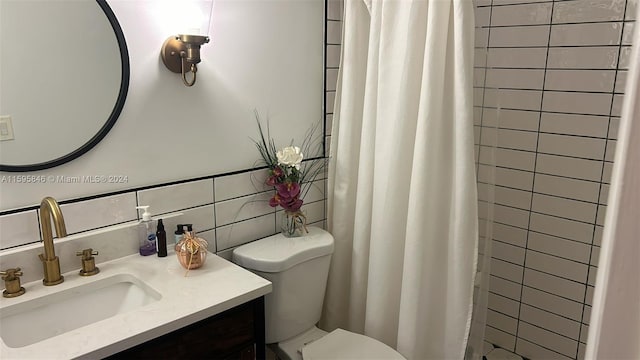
x=161 y=235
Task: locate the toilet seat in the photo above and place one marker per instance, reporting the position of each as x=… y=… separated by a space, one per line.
x=342 y=344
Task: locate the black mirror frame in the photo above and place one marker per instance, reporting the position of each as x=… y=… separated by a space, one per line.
x=115 y=113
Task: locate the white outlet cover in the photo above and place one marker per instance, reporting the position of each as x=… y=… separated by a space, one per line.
x=6 y=128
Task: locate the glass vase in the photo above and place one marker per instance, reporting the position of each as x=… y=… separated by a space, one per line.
x=293 y=223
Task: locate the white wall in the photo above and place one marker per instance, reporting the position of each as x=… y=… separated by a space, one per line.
x=263 y=54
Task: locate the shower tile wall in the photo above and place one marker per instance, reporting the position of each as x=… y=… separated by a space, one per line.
x=549 y=82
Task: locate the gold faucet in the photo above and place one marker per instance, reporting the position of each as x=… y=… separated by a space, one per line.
x=49 y=208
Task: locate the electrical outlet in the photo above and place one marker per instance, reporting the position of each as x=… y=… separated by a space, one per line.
x=6 y=128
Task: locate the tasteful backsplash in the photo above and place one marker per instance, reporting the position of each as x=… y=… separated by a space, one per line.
x=225 y=210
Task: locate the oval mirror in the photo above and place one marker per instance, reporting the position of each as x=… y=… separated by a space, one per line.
x=65 y=77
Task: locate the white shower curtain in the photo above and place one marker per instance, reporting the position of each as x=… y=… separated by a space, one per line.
x=402 y=191
x=614 y=331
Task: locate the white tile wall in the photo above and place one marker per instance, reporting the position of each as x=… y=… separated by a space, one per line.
x=517 y=58
x=515 y=78
x=591 y=57
x=333 y=56
x=524 y=36
x=244 y=231
x=585 y=34
x=507 y=306
x=546 y=320
x=554 y=284
x=574 y=102
x=569 y=167
x=201 y=217
x=97 y=213
x=580 y=80
x=238 y=209
x=573 y=124
x=564 y=228
x=504 y=287
x=523 y=14
x=233 y=186
x=500 y=338
x=170 y=198
x=572 y=250
x=588 y=11
x=552 y=303
x=334 y=9
x=566 y=187
x=534 y=351
x=19 y=229
x=548 y=95
x=334 y=32
x=510 y=234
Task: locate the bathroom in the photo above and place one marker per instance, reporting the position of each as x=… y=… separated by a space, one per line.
x=188 y=152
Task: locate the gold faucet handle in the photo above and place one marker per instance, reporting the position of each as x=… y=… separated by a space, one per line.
x=86 y=254
x=11 y=274
x=12 y=283
x=88 y=262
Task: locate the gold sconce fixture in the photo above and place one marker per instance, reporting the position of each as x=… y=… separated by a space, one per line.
x=181 y=54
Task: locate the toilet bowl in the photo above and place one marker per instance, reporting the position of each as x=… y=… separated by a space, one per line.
x=316 y=344
x=298 y=269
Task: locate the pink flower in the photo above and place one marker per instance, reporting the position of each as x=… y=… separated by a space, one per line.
x=288 y=196
x=287 y=193
x=274 y=176
x=293 y=206
x=274 y=201
x=288 y=190
x=271 y=181
x=277 y=171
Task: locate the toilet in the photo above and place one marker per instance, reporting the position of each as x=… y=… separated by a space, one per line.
x=298 y=269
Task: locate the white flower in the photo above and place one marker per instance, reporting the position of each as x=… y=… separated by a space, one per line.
x=290 y=156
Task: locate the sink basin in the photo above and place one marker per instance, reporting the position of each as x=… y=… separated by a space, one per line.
x=35 y=320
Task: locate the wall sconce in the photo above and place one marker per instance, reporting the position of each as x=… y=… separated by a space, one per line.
x=181 y=54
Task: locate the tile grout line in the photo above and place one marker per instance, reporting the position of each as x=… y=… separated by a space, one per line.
x=534 y=172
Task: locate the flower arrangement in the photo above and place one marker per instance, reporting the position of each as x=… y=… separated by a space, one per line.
x=291 y=176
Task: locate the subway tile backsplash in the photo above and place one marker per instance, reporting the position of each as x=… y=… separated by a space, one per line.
x=243 y=208
x=18 y=229
x=170 y=198
x=549 y=90
x=97 y=213
x=243 y=215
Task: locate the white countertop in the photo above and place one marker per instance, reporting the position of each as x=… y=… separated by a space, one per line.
x=217 y=286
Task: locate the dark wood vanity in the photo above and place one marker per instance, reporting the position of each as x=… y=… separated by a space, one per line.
x=237 y=333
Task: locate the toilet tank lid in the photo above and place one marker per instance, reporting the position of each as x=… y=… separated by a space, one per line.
x=278 y=253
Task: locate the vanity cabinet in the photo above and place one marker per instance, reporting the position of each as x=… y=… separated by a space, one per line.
x=237 y=333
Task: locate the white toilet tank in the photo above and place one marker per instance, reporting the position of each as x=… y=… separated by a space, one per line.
x=298 y=269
